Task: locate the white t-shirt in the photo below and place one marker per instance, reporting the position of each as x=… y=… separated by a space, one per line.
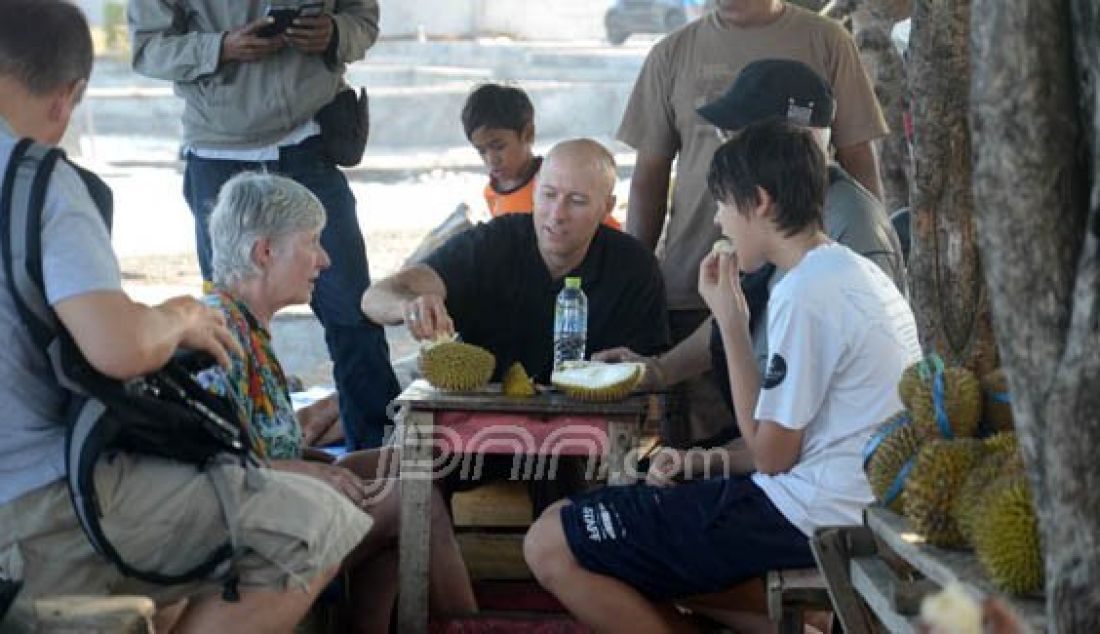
x=840 y=335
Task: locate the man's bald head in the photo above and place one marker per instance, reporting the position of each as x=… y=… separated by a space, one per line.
x=586 y=154
x=574 y=194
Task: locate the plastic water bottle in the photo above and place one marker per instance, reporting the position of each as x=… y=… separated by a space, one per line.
x=570 y=323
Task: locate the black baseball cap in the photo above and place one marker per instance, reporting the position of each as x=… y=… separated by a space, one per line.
x=771 y=88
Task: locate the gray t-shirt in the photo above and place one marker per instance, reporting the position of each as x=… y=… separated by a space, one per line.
x=77 y=259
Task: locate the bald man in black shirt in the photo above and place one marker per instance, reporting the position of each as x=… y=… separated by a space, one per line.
x=496 y=284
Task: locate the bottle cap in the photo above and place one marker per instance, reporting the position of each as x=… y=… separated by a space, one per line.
x=572 y=282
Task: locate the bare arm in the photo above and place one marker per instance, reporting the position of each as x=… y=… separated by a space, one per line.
x=124 y=339
x=689 y=358
x=414 y=296
x=648 y=203
x=774 y=448
x=861 y=161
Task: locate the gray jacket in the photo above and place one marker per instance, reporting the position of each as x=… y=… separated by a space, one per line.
x=242 y=105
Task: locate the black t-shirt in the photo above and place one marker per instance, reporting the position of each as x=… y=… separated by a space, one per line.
x=501 y=295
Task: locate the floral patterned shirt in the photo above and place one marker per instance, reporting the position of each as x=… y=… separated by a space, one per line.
x=255 y=383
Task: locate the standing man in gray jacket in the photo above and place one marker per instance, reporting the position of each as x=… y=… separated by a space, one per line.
x=252 y=87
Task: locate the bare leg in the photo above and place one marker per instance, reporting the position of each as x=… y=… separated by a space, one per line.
x=373 y=592
x=375 y=559
x=257 y=611
x=596 y=600
x=168 y=616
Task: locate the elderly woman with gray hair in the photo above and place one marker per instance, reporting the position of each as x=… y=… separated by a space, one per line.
x=267 y=255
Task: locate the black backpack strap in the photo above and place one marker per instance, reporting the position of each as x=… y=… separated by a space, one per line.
x=21 y=198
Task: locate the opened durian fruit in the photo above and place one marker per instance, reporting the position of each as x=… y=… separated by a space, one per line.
x=448 y=364
x=597 y=381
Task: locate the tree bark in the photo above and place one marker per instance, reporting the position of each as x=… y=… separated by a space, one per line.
x=949 y=296
x=1035 y=129
x=872 y=23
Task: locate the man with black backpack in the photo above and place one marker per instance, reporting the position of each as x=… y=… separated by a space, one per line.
x=288 y=533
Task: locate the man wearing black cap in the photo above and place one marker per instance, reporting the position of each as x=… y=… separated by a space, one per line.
x=693 y=66
x=778 y=89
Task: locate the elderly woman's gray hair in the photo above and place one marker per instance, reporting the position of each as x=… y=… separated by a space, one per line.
x=255 y=205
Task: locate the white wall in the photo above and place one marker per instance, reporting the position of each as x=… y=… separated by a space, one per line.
x=525 y=19
x=93 y=9
x=401 y=18
x=555 y=20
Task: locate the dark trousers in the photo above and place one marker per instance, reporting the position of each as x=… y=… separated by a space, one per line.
x=360 y=355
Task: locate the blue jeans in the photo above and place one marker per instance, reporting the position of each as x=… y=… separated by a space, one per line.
x=360 y=355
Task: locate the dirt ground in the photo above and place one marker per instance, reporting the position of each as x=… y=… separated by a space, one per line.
x=386 y=250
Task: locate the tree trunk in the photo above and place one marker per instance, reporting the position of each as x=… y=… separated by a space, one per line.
x=949 y=296
x=872 y=23
x=1035 y=130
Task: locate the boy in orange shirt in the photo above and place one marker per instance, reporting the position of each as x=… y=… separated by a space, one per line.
x=499 y=122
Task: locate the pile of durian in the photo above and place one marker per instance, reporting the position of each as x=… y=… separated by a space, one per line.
x=951 y=464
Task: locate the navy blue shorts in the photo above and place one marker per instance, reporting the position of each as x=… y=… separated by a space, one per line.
x=693 y=538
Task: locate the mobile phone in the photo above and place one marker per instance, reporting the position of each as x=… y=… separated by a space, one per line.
x=283 y=16
x=311 y=9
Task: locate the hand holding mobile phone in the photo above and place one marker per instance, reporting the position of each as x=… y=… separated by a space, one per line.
x=311 y=31
x=282 y=16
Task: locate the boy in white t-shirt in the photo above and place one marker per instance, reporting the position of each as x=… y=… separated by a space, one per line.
x=840 y=334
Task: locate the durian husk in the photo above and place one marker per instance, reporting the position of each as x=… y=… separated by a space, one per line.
x=1006 y=538
x=997 y=415
x=1002 y=461
x=597 y=381
x=456 y=366
x=889 y=458
x=939 y=472
x=962 y=402
x=516 y=383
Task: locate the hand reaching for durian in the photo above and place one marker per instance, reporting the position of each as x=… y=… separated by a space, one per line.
x=652 y=379
x=427 y=318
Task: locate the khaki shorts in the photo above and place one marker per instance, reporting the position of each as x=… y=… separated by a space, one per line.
x=164 y=516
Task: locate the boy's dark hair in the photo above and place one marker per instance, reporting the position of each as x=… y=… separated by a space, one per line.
x=497 y=106
x=44 y=44
x=781 y=158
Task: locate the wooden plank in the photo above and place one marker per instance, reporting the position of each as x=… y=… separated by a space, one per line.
x=494 y=556
x=493 y=504
x=622 y=456
x=95 y=615
x=423 y=396
x=833 y=547
x=872 y=579
x=945 y=566
x=416 y=488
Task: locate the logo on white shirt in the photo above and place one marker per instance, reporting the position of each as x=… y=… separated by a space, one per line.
x=777 y=371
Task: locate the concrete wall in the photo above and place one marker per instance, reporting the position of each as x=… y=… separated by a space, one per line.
x=525 y=19
x=93 y=9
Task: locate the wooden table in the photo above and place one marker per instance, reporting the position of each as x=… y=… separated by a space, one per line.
x=612 y=427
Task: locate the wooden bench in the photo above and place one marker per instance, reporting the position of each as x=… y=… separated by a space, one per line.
x=879 y=573
x=791 y=593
